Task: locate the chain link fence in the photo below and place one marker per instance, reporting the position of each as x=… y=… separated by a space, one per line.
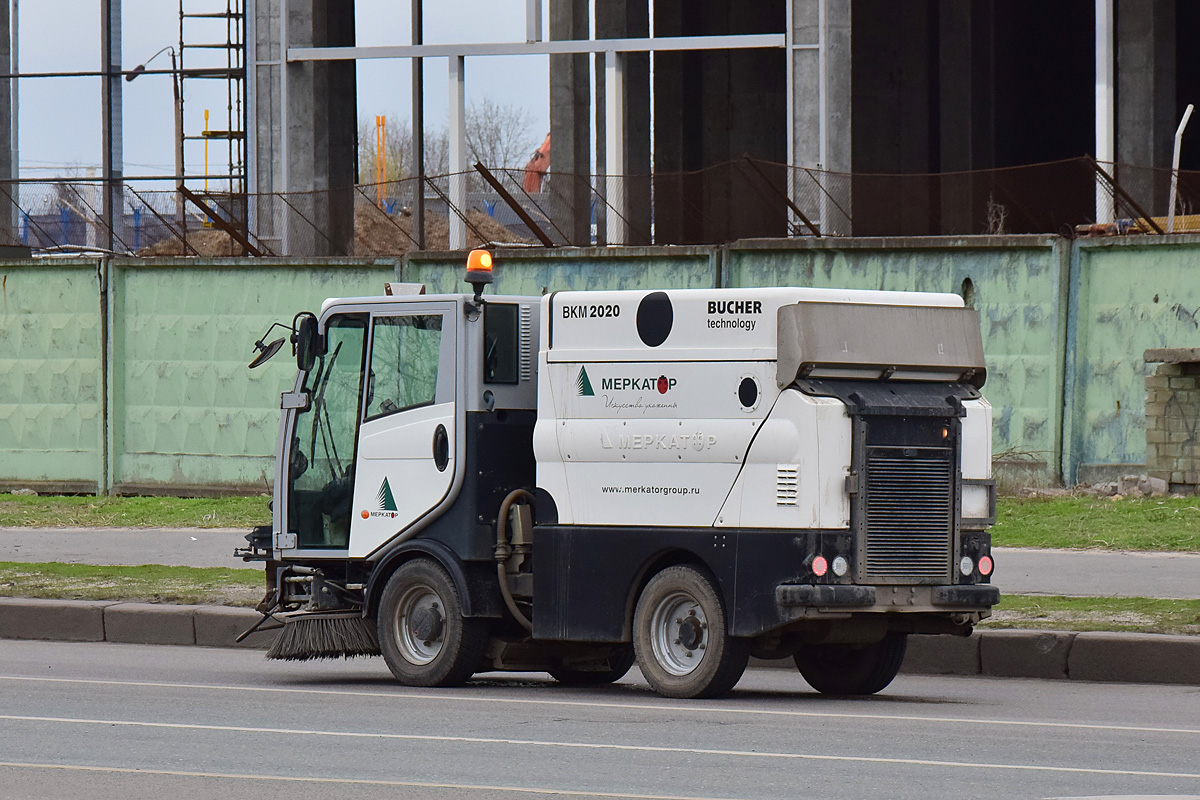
x=742 y=198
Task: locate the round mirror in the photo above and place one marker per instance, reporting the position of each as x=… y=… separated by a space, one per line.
x=265 y=353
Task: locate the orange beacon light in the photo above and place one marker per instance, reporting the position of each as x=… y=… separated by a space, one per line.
x=479 y=271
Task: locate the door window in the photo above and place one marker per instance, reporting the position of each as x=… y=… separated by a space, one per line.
x=321 y=458
x=404 y=363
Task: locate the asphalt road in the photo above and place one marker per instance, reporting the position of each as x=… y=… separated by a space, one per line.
x=1018 y=571
x=116 y=722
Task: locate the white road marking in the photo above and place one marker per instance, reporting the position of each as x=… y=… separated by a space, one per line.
x=352 y=781
x=696 y=751
x=676 y=709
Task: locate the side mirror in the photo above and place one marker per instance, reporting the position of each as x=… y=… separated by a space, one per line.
x=309 y=344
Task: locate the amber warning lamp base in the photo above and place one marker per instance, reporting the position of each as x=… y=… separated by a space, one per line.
x=479 y=272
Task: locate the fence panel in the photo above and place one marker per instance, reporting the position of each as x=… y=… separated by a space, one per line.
x=1017 y=285
x=535 y=271
x=1128 y=295
x=51 y=375
x=167 y=403
x=187 y=412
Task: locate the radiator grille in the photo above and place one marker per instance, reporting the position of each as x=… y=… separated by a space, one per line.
x=909 y=514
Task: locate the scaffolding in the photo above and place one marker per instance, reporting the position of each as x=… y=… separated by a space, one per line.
x=203 y=56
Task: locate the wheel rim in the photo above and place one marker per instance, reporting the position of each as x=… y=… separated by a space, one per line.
x=420 y=625
x=679 y=633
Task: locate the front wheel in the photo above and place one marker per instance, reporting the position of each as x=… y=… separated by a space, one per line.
x=681 y=639
x=425 y=639
x=852 y=669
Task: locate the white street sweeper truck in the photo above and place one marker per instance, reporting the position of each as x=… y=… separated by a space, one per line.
x=687 y=478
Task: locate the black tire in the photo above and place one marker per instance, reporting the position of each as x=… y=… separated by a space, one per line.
x=425 y=639
x=681 y=639
x=852 y=669
x=619 y=663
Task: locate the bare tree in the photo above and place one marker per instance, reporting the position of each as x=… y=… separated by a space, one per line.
x=500 y=134
x=437 y=152
x=398 y=151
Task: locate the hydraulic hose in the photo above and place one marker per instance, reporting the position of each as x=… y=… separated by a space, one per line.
x=504 y=550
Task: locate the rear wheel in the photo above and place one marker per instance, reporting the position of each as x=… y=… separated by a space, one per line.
x=852 y=669
x=424 y=637
x=679 y=633
x=619 y=664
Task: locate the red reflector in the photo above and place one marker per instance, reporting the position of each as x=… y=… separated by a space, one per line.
x=820 y=566
x=985 y=565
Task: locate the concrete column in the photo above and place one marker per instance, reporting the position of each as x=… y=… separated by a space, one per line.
x=965 y=110
x=614 y=146
x=570 y=125
x=955 y=130
x=895 y=116
x=263 y=118
x=821 y=132
x=1105 y=148
x=711 y=108
x=674 y=156
x=631 y=18
x=315 y=161
x=603 y=170
x=458 y=153
x=111 y=116
x=9 y=226
x=1146 y=118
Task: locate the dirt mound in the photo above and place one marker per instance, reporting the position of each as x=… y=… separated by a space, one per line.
x=210 y=243
x=375 y=234
x=380 y=234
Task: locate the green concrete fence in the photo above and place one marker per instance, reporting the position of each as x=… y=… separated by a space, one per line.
x=129 y=376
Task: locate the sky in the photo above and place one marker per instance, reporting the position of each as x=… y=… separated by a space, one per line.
x=60 y=118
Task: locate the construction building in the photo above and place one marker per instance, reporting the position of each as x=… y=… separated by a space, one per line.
x=695 y=106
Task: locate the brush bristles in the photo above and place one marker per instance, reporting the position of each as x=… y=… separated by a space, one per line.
x=307 y=638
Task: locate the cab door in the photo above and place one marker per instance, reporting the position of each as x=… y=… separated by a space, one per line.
x=406 y=461
x=315 y=482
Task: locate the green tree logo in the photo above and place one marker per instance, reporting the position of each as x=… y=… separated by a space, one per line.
x=583 y=386
x=386 y=501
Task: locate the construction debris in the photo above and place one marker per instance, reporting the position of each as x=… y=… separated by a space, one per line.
x=376 y=233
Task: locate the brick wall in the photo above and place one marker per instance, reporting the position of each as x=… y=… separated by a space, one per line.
x=1173 y=425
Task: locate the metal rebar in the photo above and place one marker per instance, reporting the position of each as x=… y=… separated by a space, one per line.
x=223 y=224
x=521 y=213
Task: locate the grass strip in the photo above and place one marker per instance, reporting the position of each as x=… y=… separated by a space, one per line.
x=1142 y=523
x=1170 y=524
x=91 y=511
x=244 y=587
x=1131 y=614
x=151 y=583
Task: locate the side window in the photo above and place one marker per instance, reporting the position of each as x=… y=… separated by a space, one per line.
x=404 y=363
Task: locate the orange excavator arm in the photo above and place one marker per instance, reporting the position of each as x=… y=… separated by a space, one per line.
x=535 y=170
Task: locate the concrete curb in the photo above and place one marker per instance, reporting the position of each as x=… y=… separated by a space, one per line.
x=129 y=623
x=1055 y=655
x=1100 y=656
